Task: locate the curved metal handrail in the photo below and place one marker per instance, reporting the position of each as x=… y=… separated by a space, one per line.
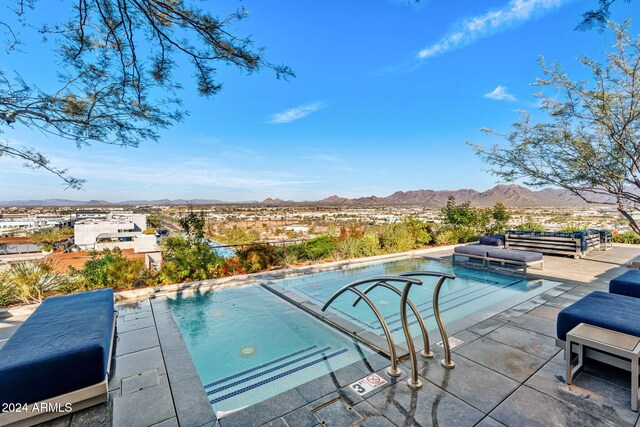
x=426 y=351
x=337 y=293
x=446 y=362
x=413 y=381
x=393 y=369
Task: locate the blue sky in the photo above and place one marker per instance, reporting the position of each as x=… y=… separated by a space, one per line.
x=385 y=97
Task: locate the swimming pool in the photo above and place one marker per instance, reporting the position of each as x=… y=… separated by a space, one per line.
x=473 y=295
x=248 y=344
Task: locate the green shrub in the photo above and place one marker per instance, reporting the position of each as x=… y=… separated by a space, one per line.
x=447 y=236
x=531 y=226
x=257 y=257
x=111 y=269
x=451 y=235
x=396 y=238
x=354 y=247
x=236 y=235
x=319 y=247
x=626 y=237
x=420 y=231
x=188 y=259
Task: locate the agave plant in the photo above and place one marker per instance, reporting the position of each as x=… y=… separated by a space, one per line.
x=7 y=291
x=29 y=282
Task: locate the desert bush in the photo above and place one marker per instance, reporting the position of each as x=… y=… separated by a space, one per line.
x=451 y=235
x=32 y=281
x=188 y=259
x=396 y=238
x=626 y=237
x=7 y=291
x=236 y=235
x=349 y=231
x=231 y=267
x=531 y=226
x=319 y=247
x=257 y=257
x=111 y=269
x=354 y=247
x=446 y=236
x=288 y=259
x=420 y=231
x=289 y=255
x=571 y=228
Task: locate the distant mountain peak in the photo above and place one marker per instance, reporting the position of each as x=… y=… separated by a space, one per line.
x=511 y=194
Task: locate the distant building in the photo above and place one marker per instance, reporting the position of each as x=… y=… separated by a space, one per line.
x=14 y=225
x=114 y=229
x=296 y=228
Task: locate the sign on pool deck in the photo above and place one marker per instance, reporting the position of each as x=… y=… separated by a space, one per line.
x=368 y=383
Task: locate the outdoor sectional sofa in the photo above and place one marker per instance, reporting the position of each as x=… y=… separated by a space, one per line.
x=58 y=360
x=575 y=244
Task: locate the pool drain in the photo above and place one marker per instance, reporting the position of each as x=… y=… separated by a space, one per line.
x=247 y=352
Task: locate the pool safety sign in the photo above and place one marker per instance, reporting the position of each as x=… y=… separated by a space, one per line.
x=453 y=342
x=368 y=383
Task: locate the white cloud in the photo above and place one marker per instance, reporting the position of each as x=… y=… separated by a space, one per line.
x=500 y=94
x=296 y=113
x=468 y=30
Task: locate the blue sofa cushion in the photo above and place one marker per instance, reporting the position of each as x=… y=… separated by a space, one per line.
x=627 y=283
x=63 y=346
x=475 y=250
x=611 y=311
x=492 y=240
x=515 y=255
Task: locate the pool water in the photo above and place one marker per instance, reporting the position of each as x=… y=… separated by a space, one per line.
x=472 y=294
x=248 y=344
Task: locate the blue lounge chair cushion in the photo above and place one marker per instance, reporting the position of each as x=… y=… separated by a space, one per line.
x=610 y=311
x=62 y=347
x=515 y=255
x=627 y=283
x=474 y=250
x=492 y=240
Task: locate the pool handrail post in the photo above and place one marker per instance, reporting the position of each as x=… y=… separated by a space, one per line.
x=446 y=362
x=413 y=381
x=426 y=349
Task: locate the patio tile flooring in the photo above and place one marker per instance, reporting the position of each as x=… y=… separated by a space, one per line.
x=508 y=372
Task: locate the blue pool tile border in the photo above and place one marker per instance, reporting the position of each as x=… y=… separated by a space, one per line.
x=256 y=368
x=276 y=377
x=268 y=371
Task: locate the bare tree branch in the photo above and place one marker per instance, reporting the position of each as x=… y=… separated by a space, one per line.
x=590 y=144
x=115 y=70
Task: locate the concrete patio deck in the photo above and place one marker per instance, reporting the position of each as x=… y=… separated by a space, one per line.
x=508 y=372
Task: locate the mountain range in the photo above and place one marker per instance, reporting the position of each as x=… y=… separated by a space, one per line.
x=512 y=195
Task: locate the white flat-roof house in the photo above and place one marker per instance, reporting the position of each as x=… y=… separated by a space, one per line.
x=22 y=225
x=120 y=228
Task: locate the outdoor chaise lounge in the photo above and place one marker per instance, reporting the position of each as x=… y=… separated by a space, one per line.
x=627 y=283
x=58 y=360
x=489 y=254
x=615 y=312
